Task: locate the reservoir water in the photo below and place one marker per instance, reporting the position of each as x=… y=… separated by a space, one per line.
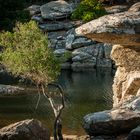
x=85 y=92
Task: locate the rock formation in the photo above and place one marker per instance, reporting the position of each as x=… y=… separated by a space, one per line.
x=25 y=130
x=56 y=10
x=73 y=51
x=123 y=29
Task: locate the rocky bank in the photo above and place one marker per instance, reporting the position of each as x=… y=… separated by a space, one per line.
x=123 y=29
x=74 y=51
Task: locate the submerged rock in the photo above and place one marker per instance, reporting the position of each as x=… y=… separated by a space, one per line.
x=29 y=129
x=7 y=89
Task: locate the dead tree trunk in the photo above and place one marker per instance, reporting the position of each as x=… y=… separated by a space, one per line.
x=57 y=111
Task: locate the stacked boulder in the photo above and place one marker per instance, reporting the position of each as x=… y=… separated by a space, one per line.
x=75 y=52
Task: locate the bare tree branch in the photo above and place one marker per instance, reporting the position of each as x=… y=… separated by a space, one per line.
x=39 y=97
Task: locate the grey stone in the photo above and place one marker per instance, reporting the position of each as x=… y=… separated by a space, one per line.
x=92 y=50
x=56 y=10
x=134 y=134
x=81 y=42
x=111 y=122
x=55 y=35
x=29 y=129
x=34 y=9
x=85 y=54
x=101 y=50
x=82 y=58
x=60 y=52
x=104 y=62
x=107 y=50
x=7 y=89
x=60 y=44
x=134 y=105
x=69 y=39
x=37 y=18
x=55 y=26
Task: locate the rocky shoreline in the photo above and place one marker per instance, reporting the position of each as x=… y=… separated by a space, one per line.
x=74 y=51
x=79 y=45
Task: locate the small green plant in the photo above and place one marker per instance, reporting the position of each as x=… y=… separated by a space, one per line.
x=65 y=57
x=88 y=10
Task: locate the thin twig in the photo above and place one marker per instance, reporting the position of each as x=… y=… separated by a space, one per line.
x=39 y=97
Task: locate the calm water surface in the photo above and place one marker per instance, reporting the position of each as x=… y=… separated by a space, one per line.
x=86 y=92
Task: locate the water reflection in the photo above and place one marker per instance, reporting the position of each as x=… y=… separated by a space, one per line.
x=86 y=92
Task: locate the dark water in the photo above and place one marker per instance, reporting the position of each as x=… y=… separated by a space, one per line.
x=86 y=92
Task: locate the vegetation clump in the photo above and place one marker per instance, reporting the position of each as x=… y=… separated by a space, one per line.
x=88 y=10
x=26 y=53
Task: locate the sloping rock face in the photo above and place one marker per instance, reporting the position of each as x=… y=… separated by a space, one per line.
x=56 y=10
x=127 y=78
x=25 y=130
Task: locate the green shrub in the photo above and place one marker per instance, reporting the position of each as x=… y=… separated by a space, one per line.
x=26 y=53
x=88 y=10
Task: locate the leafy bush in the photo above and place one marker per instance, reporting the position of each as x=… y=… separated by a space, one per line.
x=88 y=10
x=26 y=53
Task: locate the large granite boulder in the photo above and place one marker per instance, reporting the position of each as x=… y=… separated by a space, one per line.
x=121 y=28
x=25 y=130
x=116 y=121
x=56 y=10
